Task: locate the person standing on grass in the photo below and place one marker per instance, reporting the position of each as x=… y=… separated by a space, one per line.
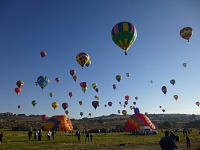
x=91 y=136
x=188 y=142
x=87 y=136
x=40 y=135
x=53 y=134
x=166 y=142
x=78 y=134
x=30 y=134
x=1 y=137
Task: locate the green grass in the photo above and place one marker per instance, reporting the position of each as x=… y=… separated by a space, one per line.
x=18 y=140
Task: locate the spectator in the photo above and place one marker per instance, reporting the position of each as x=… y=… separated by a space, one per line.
x=30 y=134
x=78 y=134
x=91 y=136
x=166 y=142
x=188 y=142
x=87 y=136
x=53 y=134
x=36 y=134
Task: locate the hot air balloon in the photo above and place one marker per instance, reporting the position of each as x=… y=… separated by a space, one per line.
x=151 y=81
x=75 y=78
x=90 y=114
x=72 y=72
x=44 y=117
x=186 y=33
x=43 y=81
x=118 y=111
x=95 y=104
x=118 y=78
x=185 y=65
x=80 y=102
x=126 y=102
x=172 y=81
x=120 y=103
x=134 y=103
x=176 y=97
x=127 y=97
x=66 y=112
x=83 y=84
x=81 y=113
x=71 y=94
x=124 y=112
x=160 y=106
x=82 y=58
x=65 y=106
x=164 y=89
x=114 y=86
x=57 y=79
x=163 y=110
x=124 y=35
x=136 y=98
x=18 y=106
x=84 y=89
x=20 y=83
x=34 y=102
x=105 y=105
x=197 y=103
x=94 y=86
x=43 y=53
x=128 y=74
x=97 y=97
x=51 y=94
x=55 y=105
x=109 y=103
x=88 y=63
x=17 y=90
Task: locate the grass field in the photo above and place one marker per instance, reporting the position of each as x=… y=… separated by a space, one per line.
x=18 y=140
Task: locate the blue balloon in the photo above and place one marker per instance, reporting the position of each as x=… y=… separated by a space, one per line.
x=136 y=110
x=43 y=81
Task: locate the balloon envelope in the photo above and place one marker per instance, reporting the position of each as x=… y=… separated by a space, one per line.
x=34 y=102
x=124 y=35
x=65 y=106
x=20 y=83
x=95 y=104
x=55 y=105
x=164 y=89
x=172 y=81
x=82 y=58
x=43 y=53
x=43 y=81
x=186 y=33
x=118 y=78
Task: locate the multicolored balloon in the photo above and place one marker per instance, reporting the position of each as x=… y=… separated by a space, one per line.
x=43 y=53
x=186 y=33
x=124 y=35
x=88 y=63
x=110 y=103
x=72 y=72
x=75 y=78
x=124 y=112
x=82 y=58
x=176 y=97
x=43 y=81
x=118 y=78
x=20 y=83
x=128 y=74
x=57 y=79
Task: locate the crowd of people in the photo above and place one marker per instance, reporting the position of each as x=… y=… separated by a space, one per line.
x=87 y=133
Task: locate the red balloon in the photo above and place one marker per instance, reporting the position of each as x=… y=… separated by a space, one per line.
x=71 y=94
x=127 y=97
x=17 y=90
x=72 y=72
x=43 y=53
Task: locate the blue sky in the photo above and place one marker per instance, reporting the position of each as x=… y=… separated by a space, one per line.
x=64 y=28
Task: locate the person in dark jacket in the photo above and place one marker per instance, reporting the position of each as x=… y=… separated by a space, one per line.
x=167 y=143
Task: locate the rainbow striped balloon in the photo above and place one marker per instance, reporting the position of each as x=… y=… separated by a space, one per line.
x=124 y=35
x=186 y=33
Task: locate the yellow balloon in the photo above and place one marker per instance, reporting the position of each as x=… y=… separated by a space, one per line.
x=55 y=105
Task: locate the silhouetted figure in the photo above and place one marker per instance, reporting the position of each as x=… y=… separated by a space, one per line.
x=87 y=136
x=167 y=143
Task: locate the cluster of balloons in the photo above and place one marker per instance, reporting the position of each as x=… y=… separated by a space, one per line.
x=72 y=73
x=84 y=85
